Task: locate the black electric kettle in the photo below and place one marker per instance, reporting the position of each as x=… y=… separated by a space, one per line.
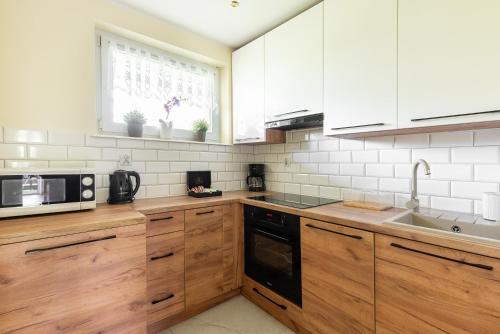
x=120 y=186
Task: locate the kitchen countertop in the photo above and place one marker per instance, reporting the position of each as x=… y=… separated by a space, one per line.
x=108 y=216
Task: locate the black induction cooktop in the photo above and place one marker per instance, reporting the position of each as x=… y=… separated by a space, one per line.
x=294 y=201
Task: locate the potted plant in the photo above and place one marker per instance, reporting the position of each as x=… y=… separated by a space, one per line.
x=166 y=126
x=200 y=128
x=135 y=121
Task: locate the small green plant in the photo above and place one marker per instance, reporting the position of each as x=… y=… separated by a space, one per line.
x=134 y=116
x=200 y=125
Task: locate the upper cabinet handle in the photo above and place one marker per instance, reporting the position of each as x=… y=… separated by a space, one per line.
x=39 y=250
x=340 y=233
x=357 y=126
x=456 y=115
x=158 y=219
x=204 y=213
x=292 y=112
x=476 y=265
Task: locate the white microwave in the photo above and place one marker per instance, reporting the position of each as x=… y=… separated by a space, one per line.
x=39 y=191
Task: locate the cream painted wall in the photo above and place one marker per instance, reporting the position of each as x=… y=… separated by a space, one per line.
x=47 y=59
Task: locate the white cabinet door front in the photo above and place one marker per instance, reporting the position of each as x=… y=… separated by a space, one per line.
x=360 y=66
x=248 y=93
x=449 y=62
x=294 y=66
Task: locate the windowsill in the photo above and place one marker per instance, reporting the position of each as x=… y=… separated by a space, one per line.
x=160 y=139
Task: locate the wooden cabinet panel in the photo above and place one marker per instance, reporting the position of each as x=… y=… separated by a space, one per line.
x=294 y=66
x=165 y=273
x=91 y=282
x=426 y=289
x=210 y=241
x=165 y=222
x=337 y=278
x=448 y=61
x=360 y=42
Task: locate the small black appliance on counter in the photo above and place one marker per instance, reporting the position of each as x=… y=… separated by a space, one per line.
x=121 y=189
x=199 y=183
x=256 y=177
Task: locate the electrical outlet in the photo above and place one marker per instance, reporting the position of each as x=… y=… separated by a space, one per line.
x=124 y=160
x=288 y=162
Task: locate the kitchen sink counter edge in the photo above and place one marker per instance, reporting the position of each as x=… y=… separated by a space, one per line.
x=13 y=230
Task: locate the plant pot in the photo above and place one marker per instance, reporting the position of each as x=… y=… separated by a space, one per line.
x=134 y=129
x=200 y=135
x=166 y=130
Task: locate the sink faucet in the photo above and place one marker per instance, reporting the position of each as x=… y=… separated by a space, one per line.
x=414 y=203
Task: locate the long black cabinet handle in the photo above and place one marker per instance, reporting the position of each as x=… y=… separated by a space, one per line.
x=154 y=258
x=291 y=112
x=456 y=115
x=281 y=306
x=163 y=299
x=339 y=233
x=204 y=213
x=158 y=219
x=357 y=126
x=39 y=250
x=476 y=265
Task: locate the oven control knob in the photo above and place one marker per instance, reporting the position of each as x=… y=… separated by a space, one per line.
x=87 y=194
x=87 y=181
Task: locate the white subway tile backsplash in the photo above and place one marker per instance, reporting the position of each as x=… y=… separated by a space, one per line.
x=379 y=143
x=67 y=164
x=144 y=155
x=340 y=156
x=379 y=170
x=328 y=169
x=292 y=188
x=25 y=164
x=351 y=144
x=114 y=154
x=102 y=167
x=412 y=141
x=365 y=183
x=297 y=136
x=452 y=139
x=178 y=190
x=66 y=138
x=84 y=153
x=169 y=155
x=48 y=152
x=284 y=177
x=394 y=185
x=451 y=172
x=199 y=165
x=130 y=143
x=300 y=157
x=203 y=147
x=318 y=179
x=472 y=189
x=170 y=178
x=24 y=136
x=12 y=151
x=432 y=155
x=365 y=156
x=224 y=156
x=301 y=178
x=157 y=191
x=319 y=157
x=406 y=171
x=329 y=192
x=208 y=156
x=478 y=155
x=309 y=168
x=100 y=141
x=395 y=156
x=452 y=204
x=352 y=169
x=189 y=156
x=487 y=173
x=433 y=187
x=328 y=145
x=278 y=148
x=309 y=190
x=218 y=148
x=179 y=166
x=340 y=181
x=292 y=147
x=309 y=146
x=157 y=145
x=162 y=167
x=149 y=179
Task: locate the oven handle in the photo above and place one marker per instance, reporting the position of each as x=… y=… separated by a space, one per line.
x=271 y=235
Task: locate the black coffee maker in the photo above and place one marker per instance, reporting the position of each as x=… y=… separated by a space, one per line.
x=256 y=177
x=121 y=189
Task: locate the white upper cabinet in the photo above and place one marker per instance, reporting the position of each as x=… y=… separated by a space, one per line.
x=248 y=93
x=360 y=45
x=294 y=66
x=449 y=61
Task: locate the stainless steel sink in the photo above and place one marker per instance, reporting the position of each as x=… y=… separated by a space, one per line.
x=469 y=228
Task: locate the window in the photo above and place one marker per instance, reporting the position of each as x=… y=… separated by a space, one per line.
x=138 y=77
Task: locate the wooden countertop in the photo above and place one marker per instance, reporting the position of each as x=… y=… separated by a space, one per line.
x=108 y=216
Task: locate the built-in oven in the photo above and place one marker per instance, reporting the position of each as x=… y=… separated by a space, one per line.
x=272 y=251
x=36 y=191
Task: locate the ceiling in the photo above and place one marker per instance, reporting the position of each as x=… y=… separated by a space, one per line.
x=219 y=21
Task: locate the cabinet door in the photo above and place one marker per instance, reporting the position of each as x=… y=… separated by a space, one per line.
x=294 y=66
x=91 y=282
x=337 y=278
x=210 y=253
x=248 y=93
x=426 y=289
x=448 y=61
x=360 y=66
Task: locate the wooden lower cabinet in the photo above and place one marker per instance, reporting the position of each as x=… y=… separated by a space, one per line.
x=92 y=282
x=211 y=241
x=337 y=278
x=427 y=289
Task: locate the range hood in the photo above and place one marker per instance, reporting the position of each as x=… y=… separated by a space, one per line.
x=300 y=122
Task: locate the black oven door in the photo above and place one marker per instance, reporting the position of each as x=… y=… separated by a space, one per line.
x=273 y=260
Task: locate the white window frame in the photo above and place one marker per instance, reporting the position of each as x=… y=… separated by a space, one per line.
x=105 y=120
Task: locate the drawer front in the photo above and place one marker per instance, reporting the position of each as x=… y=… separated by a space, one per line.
x=422 y=288
x=82 y=283
x=165 y=274
x=212 y=212
x=166 y=222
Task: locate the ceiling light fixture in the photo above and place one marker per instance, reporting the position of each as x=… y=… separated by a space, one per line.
x=235 y=3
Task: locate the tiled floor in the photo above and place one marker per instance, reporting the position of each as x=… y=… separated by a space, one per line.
x=236 y=316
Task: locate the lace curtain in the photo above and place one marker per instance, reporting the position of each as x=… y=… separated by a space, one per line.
x=140 y=78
